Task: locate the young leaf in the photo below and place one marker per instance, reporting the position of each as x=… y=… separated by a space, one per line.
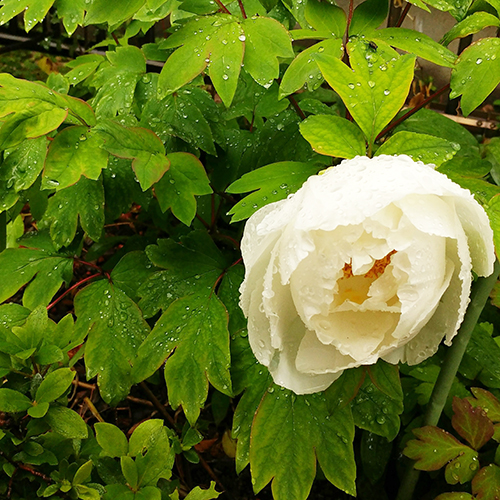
x=417 y=43
x=83 y=66
x=188 y=268
x=266 y=40
x=115 y=328
x=101 y=11
x=462 y=468
x=34 y=11
x=326 y=17
x=298 y=429
x=376 y=78
x=471 y=423
x=487 y=402
x=434 y=448
x=85 y=201
x=486 y=483
x=367 y=16
x=420 y=147
x=111 y=439
x=71 y=12
x=199 y=494
x=334 y=136
x=196 y=327
x=458 y=9
x=303 y=70
x=129 y=470
x=178 y=187
x=48 y=269
x=476 y=73
x=474 y=23
x=66 y=422
x=54 y=385
x=75 y=151
x=141 y=145
x=13 y=401
x=272 y=182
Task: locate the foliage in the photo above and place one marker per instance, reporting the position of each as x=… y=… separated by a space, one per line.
x=121 y=195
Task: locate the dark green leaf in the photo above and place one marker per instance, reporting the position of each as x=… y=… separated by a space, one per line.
x=54 y=385
x=13 y=401
x=375 y=454
x=185 y=178
x=486 y=484
x=367 y=16
x=334 y=136
x=116 y=328
x=273 y=182
x=131 y=272
x=476 y=73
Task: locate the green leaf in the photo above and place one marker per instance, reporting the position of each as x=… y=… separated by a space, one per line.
x=71 y=12
x=376 y=87
x=115 y=328
x=273 y=182
x=178 y=187
x=334 y=136
x=54 y=385
x=434 y=448
x=455 y=496
x=114 y=491
x=303 y=70
x=300 y=429
x=21 y=165
x=129 y=471
x=75 y=151
x=417 y=43
x=421 y=147
x=83 y=473
x=13 y=401
x=375 y=452
x=141 y=145
x=324 y=16
x=486 y=401
x=83 y=201
x=44 y=270
x=476 y=73
x=148 y=493
x=486 y=483
x=471 y=423
x=196 y=327
x=191 y=267
x=470 y=25
x=101 y=11
x=111 y=439
x=198 y=494
x=367 y=16
x=179 y=115
x=457 y=8
x=34 y=11
x=462 y=468
x=66 y=422
x=266 y=40
x=38 y=410
x=83 y=66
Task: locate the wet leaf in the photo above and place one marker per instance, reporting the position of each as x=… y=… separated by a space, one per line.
x=473 y=23
x=101 y=11
x=324 y=16
x=367 y=16
x=486 y=484
x=471 y=423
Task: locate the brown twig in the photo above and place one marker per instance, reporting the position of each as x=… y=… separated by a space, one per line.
x=156 y=403
x=222 y=7
x=93 y=409
x=296 y=106
x=242 y=8
x=412 y=111
x=403 y=15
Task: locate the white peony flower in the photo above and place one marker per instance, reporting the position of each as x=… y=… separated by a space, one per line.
x=372 y=259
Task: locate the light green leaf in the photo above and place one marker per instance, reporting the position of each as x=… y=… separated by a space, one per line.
x=148 y=493
x=115 y=328
x=271 y=183
x=470 y=25
x=178 y=187
x=323 y=16
x=334 y=136
x=54 y=385
x=38 y=410
x=66 y=422
x=21 y=165
x=417 y=43
x=44 y=270
x=367 y=16
x=85 y=201
x=377 y=77
x=266 y=40
x=75 y=151
x=300 y=429
x=476 y=74
x=34 y=11
x=303 y=71
x=83 y=67
x=111 y=439
x=457 y=8
x=420 y=147
x=71 y=12
x=114 y=491
x=102 y=11
x=198 y=494
x=196 y=327
x=129 y=471
x=13 y=401
x=141 y=145
x=83 y=473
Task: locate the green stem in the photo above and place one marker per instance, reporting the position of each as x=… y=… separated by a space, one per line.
x=479 y=295
x=3 y=231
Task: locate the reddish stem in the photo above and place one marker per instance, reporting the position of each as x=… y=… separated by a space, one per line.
x=222 y=7
x=69 y=290
x=349 y=19
x=242 y=8
x=412 y=111
x=403 y=15
x=89 y=264
x=297 y=107
x=115 y=38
